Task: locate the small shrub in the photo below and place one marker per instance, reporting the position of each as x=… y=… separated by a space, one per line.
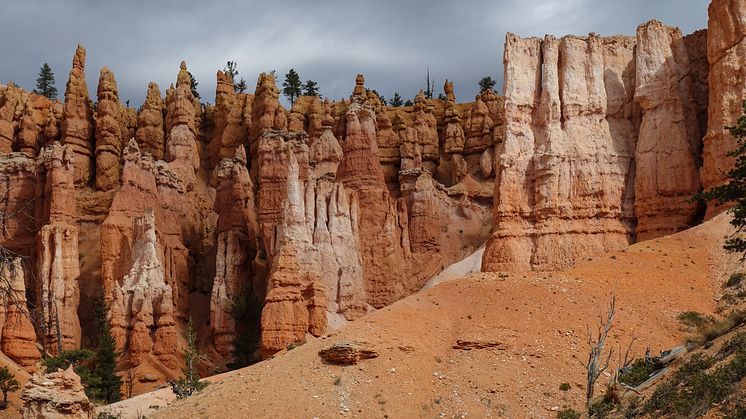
x=564 y=387
x=568 y=414
x=637 y=373
x=735 y=279
x=294 y=345
x=730 y=347
x=600 y=408
x=693 y=319
x=692 y=390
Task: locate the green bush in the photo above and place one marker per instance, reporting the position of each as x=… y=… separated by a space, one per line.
x=75 y=357
x=637 y=373
x=693 y=389
x=564 y=387
x=246 y=310
x=693 y=319
x=732 y=346
x=600 y=408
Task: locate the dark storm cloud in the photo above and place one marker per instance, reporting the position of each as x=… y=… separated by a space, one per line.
x=391 y=42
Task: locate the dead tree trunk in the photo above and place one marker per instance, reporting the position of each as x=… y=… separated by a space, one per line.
x=596 y=364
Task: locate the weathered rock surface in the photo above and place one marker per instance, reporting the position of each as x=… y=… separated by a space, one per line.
x=295 y=303
x=726 y=49
x=347 y=353
x=230 y=130
x=56 y=395
x=144 y=301
x=667 y=153
x=236 y=247
x=77 y=119
x=17 y=336
x=18 y=193
x=108 y=132
x=149 y=134
x=601 y=145
x=58 y=267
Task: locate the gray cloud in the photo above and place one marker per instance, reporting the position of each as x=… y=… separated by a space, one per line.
x=391 y=42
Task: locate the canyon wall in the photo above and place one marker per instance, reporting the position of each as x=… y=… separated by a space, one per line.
x=601 y=147
x=178 y=212
x=726 y=49
x=321 y=213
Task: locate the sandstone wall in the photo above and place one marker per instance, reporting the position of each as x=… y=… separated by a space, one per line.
x=726 y=49
x=602 y=143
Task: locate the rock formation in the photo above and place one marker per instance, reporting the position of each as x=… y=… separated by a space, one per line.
x=58 y=266
x=17 y=336
x=266 y=114
x=18 y=195
x=149 y=134
x=156 y=190
x=236 y=247
x=77 y=119
x=379 y=222
x=56 y=395
x=329 y=210
x=229 y=131
x=726 y=47
x=295 y=303
x=612 y=150
x=108 y=132
x=144 y=301
x=667 y=152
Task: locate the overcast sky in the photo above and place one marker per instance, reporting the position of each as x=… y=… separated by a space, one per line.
x=391 y=42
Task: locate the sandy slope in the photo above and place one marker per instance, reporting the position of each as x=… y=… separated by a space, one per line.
x=539 y=319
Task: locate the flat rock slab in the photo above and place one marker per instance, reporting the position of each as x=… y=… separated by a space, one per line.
x=467 y=345
x=347 y=353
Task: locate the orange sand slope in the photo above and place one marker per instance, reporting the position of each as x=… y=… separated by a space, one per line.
x=538 y=319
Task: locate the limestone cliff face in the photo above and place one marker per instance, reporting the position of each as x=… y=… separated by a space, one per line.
x=564 y=182
x=236 y=247
x=143 y=301
x=667 y=153
x=726 y=49
x=601 y=146
x=58 y=266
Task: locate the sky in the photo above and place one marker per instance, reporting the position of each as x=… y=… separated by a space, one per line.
x=393 y=43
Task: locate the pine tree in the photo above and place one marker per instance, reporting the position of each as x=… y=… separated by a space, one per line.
x=190 y=382
x=486 y=84
x=429 y=86
x=396 y=100
x=291 y=87
x=232 y=69
x=45 y=82
x=735 y=189
x=246 y=311
x=311 y=88
x=107 y=384
x=8 y=384
x=193 y=85
x=408 y=103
